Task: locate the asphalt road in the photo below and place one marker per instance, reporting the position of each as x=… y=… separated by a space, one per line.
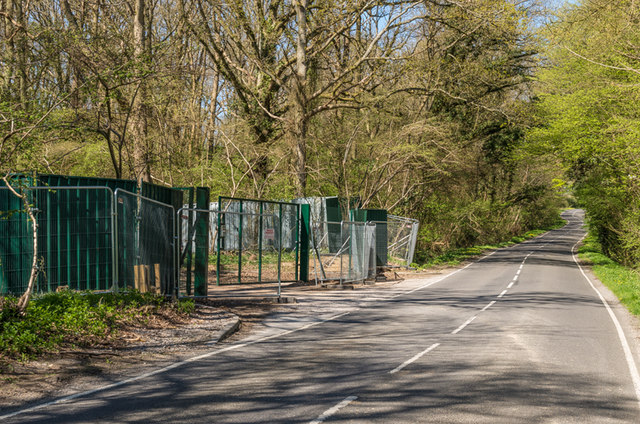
x=520 y=336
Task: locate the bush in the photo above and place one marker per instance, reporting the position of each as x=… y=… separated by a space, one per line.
x=74 y=319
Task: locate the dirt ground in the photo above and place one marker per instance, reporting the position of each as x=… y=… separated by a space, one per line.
x=163 y=341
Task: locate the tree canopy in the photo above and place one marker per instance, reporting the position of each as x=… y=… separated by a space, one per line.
x=588 y=115
x=428 y=108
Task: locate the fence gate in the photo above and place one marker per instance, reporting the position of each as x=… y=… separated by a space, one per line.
x=238 y=255
x=145 y=238
x=252 y=235
x=74 y=234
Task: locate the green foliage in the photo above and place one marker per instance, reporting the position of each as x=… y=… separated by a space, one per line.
x=588 y=117
x=70 y=318
x=454 y=257
x=624 y=282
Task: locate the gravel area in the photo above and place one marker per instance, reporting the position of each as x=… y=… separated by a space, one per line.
x=135 y=351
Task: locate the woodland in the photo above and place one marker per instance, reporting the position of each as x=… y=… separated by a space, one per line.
x=480 y=118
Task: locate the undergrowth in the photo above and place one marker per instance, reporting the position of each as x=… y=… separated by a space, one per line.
x=624 y=282
x=74 y=319
x=456 y=256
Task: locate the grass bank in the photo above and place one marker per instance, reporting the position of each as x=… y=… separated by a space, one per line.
x=71 y=319
x=456 y=256
x=622 y=281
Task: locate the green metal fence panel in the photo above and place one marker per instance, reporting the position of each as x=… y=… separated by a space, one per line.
x=146 y=243
x=201 y=277
x=75 y=244
x=305 y=234
x=16 y=246
x=76 y=235
x=246 y=240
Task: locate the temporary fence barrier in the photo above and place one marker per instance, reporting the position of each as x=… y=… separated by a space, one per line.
x=402 y=235
x=145 y=238
x=354 y=259
x=74 y=234
x=252 y=226
x=253 y=257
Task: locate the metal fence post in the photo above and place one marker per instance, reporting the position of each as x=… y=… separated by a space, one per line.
x=200 y=287
x=240 y=245
x=260 y=237
x=305 y=229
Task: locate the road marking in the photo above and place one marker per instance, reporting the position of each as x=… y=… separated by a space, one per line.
x=415 y=358
x=331 y=411
x=493 y=302
x=443 y=277
x=633 y=369
x=467 y=322
x=510 y=284
x=167 y=368
x=519 y=271
x=503 y=293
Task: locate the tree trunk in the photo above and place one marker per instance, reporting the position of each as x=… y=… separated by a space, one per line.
x=23 y=302
x=300 y=117
x=142 y=169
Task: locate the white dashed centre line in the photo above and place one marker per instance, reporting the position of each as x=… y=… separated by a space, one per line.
x=415 y=358
x=467 y=322
x=329 y=412
x=493 y=302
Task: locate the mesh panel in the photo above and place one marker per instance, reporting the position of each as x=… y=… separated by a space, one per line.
x=348 y=256
x=245 y=246
x=402 y=234
x=75 y=239
x=145 y=233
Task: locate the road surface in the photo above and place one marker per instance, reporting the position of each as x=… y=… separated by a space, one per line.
x=520 y=336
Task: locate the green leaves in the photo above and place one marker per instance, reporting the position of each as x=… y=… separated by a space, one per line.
x=74 y=319
x=589 y=115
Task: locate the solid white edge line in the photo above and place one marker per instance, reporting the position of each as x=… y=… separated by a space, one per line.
x=165 y=369
x=633 y=369
x=331 y=411
x=415 y=358
x=469 y=321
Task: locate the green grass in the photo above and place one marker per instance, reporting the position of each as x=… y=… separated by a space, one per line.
x=456 y=256
x=69 y=319
x=622 y=281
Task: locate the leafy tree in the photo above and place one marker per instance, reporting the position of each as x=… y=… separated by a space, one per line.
x=587 y=97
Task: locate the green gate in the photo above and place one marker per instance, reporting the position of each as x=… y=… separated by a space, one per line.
x=249 y=244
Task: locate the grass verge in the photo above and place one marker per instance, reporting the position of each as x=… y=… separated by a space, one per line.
x=622 y=281
x=72 y=319
x=456 y=256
